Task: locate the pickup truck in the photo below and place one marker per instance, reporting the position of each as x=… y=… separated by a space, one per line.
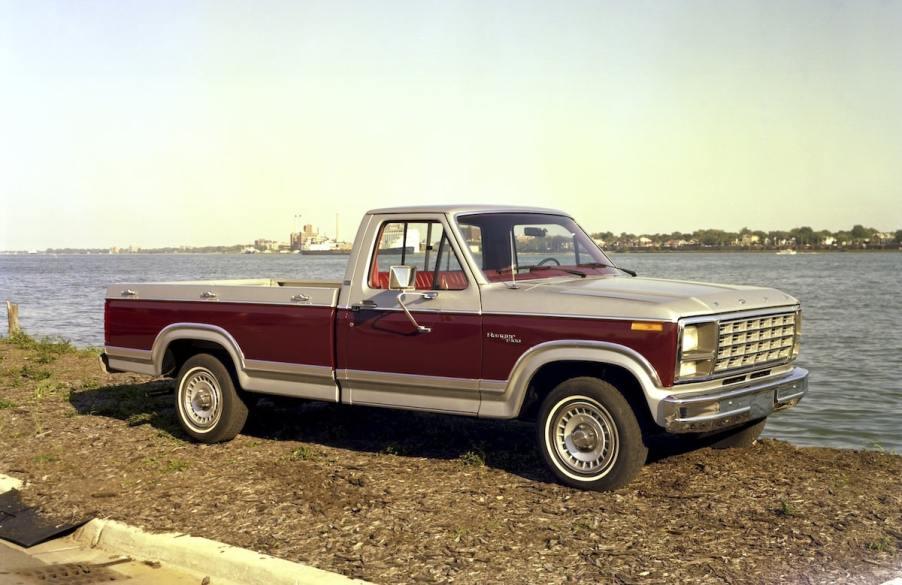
x=487 y=311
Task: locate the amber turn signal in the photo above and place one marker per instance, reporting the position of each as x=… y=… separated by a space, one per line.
x=641 y=326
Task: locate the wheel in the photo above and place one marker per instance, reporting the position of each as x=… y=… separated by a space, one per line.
x=740 y=437
x=208 y=405
x=589 y=436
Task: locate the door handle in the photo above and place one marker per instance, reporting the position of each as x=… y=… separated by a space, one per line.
x=367 y=304
x=300 y=298
x=129 y=293
x=208 y=294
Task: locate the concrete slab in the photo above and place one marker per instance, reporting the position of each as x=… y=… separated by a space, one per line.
x=204 y=556
x=65 y=551
x=171 y=558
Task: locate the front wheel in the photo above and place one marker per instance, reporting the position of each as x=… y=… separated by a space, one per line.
x=589 y=436
x=208 y=405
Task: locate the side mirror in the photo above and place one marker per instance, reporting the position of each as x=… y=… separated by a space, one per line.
x=401 y=277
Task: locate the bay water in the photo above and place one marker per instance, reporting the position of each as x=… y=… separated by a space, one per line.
x=852 y=317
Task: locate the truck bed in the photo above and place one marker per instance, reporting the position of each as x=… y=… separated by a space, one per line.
x=283 y=330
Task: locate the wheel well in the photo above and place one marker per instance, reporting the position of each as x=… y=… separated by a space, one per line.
x=550 y=375
x=180 y=350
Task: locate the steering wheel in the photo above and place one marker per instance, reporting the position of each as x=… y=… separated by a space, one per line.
x=549 y=259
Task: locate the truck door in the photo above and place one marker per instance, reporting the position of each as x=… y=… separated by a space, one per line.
x=383 y=358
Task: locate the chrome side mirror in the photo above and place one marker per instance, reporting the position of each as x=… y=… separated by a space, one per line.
x=402 y=277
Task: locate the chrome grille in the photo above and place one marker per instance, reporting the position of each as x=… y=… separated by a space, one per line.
x=746 y=343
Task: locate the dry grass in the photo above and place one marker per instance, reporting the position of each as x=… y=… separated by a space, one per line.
x=398 y=497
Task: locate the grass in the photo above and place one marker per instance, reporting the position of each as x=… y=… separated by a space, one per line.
x=29 y=372
x=786 y=510
x=175 y=466
x=394 y=448
x=474 y=458
x=882 y=544
x=6 y=404
x=303 y=453
x=45 y=458
x=140 y=418
x=48 y=349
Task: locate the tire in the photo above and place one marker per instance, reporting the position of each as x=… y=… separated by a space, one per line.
x=740 y=437
x=589 y=436
x=207 y=402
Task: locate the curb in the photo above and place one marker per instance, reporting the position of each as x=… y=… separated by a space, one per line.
x=220 y=561
x=203 y=555
x=8 y=483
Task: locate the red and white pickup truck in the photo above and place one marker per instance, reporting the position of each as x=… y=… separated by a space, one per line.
x=496 y=312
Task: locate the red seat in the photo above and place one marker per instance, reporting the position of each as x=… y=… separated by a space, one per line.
x=448 y=280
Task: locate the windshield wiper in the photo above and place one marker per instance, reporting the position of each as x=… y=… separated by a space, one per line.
x=578 y=273
x=603 y=265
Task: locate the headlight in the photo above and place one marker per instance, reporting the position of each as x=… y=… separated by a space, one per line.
x=698 y=345
x=690 y=338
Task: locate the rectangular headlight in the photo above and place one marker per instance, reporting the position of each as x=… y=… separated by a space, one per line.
x=696 y=351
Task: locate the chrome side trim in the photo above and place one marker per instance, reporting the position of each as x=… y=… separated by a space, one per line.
x=507 y=403
x=128 y=353
x=574 y=316
x=285 y=379
x=288 y=368
x=287 y=303
x=409 y=380
x=492 y=386
x=199 y=332
x=410 y=391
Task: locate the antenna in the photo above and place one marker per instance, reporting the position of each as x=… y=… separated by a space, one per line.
x=513 y=283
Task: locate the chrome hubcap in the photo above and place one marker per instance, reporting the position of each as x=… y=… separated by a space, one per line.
x=584 y=437
x=201 y=399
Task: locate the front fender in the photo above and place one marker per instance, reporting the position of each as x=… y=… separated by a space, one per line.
x=504 y=399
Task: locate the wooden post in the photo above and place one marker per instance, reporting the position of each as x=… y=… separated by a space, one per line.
x=12 y=316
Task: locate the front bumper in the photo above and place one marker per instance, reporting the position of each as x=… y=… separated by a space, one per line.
x=719 y=409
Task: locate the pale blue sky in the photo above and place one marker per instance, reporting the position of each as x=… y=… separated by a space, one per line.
x=155 y=123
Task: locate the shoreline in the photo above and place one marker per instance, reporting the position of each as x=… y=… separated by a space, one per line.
x=611 y=250
x=393 y=496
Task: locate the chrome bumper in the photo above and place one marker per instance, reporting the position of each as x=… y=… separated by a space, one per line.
x=718 y=409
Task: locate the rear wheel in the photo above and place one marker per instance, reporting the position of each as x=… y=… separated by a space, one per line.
x=589 y=436
x=208 y=405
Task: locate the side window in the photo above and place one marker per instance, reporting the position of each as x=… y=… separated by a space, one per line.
x=423 y=244
x=472 y=235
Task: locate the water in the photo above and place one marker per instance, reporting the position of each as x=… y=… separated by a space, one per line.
x=852 y=325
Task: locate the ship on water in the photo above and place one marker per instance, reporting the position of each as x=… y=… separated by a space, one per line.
x=325 y=248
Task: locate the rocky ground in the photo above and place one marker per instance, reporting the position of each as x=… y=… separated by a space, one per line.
x=400 y=497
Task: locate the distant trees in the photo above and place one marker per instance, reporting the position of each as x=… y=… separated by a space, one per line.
x=800 y=237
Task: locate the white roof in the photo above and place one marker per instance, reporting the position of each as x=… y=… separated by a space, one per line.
x=457 y=209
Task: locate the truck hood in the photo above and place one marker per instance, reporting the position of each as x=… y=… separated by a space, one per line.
x=635 y=298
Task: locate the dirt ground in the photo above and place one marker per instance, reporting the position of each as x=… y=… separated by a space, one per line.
x=401 y=497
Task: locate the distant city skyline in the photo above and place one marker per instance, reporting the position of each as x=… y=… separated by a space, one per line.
x=153 y=123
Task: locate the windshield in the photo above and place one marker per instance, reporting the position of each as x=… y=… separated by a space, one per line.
x=530 y=246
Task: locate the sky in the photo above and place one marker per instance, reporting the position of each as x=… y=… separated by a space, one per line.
x=163 y=123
